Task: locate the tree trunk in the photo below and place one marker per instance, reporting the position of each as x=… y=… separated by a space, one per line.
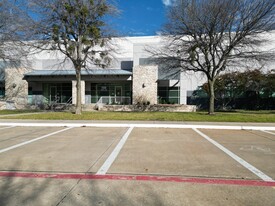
x=211 y=109
x=78 y=108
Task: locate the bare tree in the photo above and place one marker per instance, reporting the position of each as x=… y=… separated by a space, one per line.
x=76 y=28
x=211 y=36
x=13 y=54
x=12 y=18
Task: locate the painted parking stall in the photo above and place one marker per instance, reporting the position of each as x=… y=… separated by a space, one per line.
x=73 y=163
x=151 y=151
x=250 y=167
x=167 y=158
x=67 y=150
x=12 y=136
x=32 y=140
x=255 y=147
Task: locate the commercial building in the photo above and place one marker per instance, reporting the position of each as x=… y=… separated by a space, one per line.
x=130 y=79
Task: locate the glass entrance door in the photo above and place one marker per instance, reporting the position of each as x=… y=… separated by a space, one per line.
x=53 y=94
x=111 y=93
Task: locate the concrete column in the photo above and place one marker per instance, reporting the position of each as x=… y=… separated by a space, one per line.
x=183 y=89
x=145 y=86
x=74 y=92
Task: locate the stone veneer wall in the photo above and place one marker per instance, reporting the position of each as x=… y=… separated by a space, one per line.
x=145 y=86
x=3 y=105
x=16 y=89
x=147 y=108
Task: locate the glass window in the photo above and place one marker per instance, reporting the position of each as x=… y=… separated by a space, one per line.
x=111 y=92
x=57 y=92
x=168 y=95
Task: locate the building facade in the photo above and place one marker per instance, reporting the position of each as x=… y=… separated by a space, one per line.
x=130 y=79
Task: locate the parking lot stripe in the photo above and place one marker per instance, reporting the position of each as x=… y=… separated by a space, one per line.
x=138 y=125
x=33 y=140
x=250 y=167
x=150 y=178
x=7 y=127
x=107 y=164
x=268 y=132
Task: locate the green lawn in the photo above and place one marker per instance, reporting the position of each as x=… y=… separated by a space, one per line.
x=6 y=112
x=238 y=116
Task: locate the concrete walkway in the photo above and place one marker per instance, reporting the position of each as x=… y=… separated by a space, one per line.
x=140 y=124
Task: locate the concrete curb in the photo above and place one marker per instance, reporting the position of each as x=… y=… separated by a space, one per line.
x=139 y=125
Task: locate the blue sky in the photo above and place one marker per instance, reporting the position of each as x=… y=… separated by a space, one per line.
x=140 y=17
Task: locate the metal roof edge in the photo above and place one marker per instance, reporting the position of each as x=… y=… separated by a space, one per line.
x=83 y=72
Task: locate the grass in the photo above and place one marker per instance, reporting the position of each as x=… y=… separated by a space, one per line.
x=7 y=112
x=237 y=116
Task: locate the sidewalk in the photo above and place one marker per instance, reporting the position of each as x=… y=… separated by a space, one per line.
x=144 y=124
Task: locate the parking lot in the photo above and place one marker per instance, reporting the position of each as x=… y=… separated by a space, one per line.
x=136 y=164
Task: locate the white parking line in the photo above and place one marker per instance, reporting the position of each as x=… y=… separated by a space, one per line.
x=139 y=125
x=7 y=127
x=33 y=140
x=107 y=164
x=250 y=167
x=268 y=132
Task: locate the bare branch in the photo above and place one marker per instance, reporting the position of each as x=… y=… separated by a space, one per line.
x=77 y=29
x=209 y=36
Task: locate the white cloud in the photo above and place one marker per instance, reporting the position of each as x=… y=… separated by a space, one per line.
x=168 y=2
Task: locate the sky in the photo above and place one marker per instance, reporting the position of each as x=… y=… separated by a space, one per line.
x=140 y=17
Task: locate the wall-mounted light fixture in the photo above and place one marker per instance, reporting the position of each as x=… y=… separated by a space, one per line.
x=143 y=85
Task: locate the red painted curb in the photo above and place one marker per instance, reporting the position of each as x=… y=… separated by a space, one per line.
x=208 y=181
